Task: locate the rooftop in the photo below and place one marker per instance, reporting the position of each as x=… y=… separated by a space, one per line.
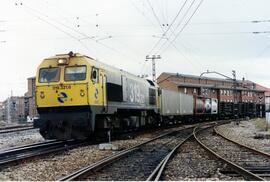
x=241 y=84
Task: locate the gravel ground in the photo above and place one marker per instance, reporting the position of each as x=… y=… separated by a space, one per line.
x=245 y=133
x=232 y=152
x=138 y=165
x=55 y=166
x=13 y=139
x=193 y=163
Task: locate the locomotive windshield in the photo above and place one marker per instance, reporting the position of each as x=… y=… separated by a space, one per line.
x=49 y=75
x=75 y=73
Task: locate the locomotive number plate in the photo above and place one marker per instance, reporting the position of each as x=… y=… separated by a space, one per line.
x=62 y=87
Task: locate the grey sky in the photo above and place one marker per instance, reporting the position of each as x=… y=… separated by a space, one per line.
x=219 y=36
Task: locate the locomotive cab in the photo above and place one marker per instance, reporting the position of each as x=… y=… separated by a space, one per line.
x=66 y=87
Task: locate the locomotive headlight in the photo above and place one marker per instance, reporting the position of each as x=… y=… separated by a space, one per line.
x=62 y=61
x=82 y=93
x=42 y=95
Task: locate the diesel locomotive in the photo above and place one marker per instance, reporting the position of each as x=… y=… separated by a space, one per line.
x=77 y=97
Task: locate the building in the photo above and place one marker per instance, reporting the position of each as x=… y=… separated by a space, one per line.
x=18 y=109
x=2 y=116
x=14 y=109
x=226 y=90
x=267 y=97
x=267 y=101
x=30 y=102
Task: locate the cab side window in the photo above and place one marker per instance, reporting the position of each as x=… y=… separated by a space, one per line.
x=94 y=75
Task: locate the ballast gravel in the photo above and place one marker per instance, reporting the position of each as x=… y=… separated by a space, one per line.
x=18 y=138
x=192 y=162
x=246 y=133
x=56 y=166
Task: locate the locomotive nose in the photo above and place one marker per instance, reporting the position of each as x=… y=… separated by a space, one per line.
x=62 y=95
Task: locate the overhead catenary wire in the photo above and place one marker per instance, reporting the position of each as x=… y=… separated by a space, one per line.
x=178 y=25
x=170 y=25
x=182 y=29
x=74 y=30
x=161 y=9
x=95 y=38
x=58 y=28
x=164 y=32
x=58 y=22
x=187 y=59
x=142 y=13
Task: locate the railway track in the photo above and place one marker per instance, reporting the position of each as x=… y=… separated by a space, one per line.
x=242 y=160
x=15 y=128
x=16 y=154
x=140 y=162
x=186 y=162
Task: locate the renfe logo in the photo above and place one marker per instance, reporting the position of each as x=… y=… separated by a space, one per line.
x=61 y=97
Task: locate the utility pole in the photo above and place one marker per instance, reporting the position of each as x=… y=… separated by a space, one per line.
x=235 y=109
x=153 y=58
x=234 y=87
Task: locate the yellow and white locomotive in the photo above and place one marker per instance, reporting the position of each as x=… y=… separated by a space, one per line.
x=77 y=95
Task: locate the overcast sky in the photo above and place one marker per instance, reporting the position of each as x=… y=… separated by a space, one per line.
x=219 y=36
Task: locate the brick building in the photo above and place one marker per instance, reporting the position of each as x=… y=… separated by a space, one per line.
x=19 y=109
x=267 y=98
x=30 y=95
x=14 y=109
x=224 y=89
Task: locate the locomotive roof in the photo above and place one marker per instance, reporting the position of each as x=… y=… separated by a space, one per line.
x=100 y=64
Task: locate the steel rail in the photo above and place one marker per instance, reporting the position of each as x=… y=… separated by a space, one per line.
x=26 y=145
x=10 y=151
x=241 y=144
x=156 y=174
x=15 y=127
x=3 y=131
x=110 y=159
x=240 y=170
x=18 y=128
x=33 y=150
